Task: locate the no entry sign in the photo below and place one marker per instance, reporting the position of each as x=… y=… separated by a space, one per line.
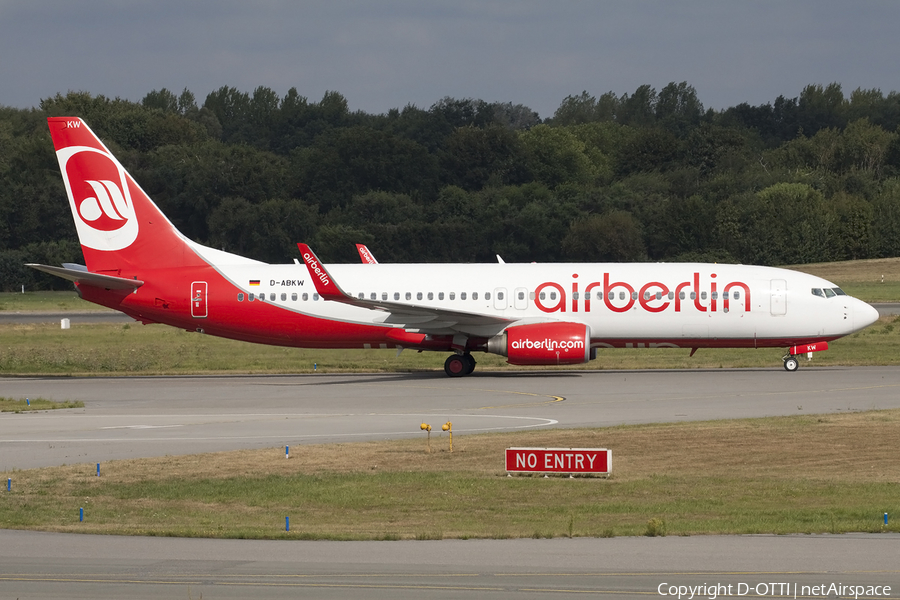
x=559 y=460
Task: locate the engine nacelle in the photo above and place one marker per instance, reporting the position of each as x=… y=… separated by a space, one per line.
x=556 y=343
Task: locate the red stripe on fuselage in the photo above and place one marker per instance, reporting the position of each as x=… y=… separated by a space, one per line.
x=258 y=321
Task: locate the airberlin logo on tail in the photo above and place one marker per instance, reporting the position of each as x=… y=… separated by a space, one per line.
x=99 y=197
x=108 y=201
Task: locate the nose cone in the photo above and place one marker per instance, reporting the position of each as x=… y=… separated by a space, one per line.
x=863 y=314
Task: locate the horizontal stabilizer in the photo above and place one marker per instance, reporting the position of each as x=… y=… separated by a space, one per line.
x=77 y=275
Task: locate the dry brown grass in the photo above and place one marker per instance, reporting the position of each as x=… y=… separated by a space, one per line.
x=855 y=271
x=852 y=447
x=829 y=473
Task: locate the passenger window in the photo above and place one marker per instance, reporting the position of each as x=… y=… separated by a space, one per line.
x=361 y=296
x=621 y=295
x=315 y=297
x=462 y=295
x=703 y=295
x=409 y=295
x=474 y=295
x=396 y=295
x=521 y=295
x=440 y=295
x=500 y=295
x=725 y=295
x=612 y=295
x=693 y=295
x=251 y=297
x=418 y=295
x=646 y=295
x=543 y=296
x=553 y=295
x=431 y=295
x=715 y=295
x=373 y=296
x=659 y=295
x=818 y=292
x=574 y=295
x=283 y=297
x=240 y=297
x=305 y=296
x=736 y=295
x=681 y=295
x=384 y=295
x=487 y=296
x=272 y=297
x=634 y=295
x=600 y=296
x=453 y=295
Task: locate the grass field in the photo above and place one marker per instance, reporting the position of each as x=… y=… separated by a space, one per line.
x=804 y=474
x=21 y=405
x=876 y=280
x=46 y=302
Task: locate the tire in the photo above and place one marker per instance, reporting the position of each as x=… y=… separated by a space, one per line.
x=470 y=363
x=791 y=364
x=455 y=366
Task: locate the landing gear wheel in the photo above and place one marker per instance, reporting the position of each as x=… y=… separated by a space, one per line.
x=791 y=363
x=456 y=365
x=470 y=363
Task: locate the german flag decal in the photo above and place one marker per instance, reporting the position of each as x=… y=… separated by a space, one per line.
x=254 y=282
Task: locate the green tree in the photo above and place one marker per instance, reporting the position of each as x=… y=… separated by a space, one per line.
x=476 y=156
x=611 y=237
x=851 y=235
x=554 y=155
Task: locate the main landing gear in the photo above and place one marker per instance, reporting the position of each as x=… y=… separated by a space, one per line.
x=791 y=363
x=458 y=365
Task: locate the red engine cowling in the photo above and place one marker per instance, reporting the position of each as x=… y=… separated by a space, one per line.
x=557 y=343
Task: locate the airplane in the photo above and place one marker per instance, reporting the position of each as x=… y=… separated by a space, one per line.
x=137 y=262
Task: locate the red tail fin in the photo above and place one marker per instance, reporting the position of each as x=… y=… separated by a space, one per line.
x=119 y=227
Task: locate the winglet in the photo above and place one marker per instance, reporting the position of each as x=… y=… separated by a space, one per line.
x=366 y=255
x=325 y=284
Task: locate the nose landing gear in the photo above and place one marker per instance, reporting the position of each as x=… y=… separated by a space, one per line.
x=791 y=363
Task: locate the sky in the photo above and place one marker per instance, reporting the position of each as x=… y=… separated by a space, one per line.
x=386 y=54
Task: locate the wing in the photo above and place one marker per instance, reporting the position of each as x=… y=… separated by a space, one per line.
x=424 y=319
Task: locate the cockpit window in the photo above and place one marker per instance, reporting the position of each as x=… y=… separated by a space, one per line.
x=839 y=292
x=818 y=292
x=829 y=293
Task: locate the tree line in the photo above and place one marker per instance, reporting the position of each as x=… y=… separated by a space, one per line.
x=648 y=176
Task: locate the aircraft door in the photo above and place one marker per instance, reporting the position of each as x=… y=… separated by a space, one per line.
x=779 y=297
x=520 y=298
x=500 y=300
x=198 y=299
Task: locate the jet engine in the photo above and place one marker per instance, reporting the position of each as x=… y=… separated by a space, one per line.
x=555 y=343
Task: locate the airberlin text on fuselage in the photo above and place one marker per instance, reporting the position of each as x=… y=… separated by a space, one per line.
x=654 y=296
